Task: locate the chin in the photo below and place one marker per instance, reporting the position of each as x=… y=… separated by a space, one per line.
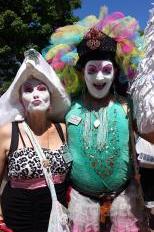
x=99 y=94
x=38 y=109
x=96 y=96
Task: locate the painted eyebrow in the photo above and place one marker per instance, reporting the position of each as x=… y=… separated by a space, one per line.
x=91 y=65
x=106 y=65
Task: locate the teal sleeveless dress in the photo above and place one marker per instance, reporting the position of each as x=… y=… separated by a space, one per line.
x=95 y=170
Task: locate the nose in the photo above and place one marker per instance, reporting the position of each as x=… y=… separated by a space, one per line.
x=35 y=94
x=99 y=76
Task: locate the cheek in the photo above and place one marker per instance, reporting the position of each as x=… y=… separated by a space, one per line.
x=25 y=98
x=46 y=97
x=89 y=78
x=110 y=78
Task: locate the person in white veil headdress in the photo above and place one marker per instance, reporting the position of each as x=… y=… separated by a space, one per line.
x=34 y=65
x=37 y=97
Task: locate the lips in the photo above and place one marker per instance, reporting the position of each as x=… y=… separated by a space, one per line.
x=99 y=86
x=36 y=102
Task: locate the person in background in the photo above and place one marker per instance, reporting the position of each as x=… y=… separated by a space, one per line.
x=36 y=97
x=142 y=91
x=94 y=60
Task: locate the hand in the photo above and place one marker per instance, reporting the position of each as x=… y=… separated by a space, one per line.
x=3 y=227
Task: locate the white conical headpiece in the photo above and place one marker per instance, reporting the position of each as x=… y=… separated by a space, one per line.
x=34 y=65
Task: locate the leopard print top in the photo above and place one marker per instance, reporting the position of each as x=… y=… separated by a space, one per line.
x=25 y=164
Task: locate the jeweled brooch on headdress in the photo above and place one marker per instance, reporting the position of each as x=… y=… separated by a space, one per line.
x=93 y=38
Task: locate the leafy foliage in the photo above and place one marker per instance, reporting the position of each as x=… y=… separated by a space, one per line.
x=28 y=23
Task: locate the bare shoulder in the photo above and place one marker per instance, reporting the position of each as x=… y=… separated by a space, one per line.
x=5 y=139
x=5 y=131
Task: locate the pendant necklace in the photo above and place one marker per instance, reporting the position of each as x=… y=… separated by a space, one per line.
x=97 y=123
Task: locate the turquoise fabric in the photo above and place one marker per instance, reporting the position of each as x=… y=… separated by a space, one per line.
x=95 y=171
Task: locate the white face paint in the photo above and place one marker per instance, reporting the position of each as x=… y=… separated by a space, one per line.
x=35 y=96
x=99 y=75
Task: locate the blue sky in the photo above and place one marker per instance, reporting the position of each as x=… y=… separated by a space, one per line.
x=136 y=8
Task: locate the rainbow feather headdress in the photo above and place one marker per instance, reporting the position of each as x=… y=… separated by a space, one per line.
x=62 y=52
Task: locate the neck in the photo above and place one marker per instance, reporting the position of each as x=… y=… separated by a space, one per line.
x=38 y=122
x=95 y=103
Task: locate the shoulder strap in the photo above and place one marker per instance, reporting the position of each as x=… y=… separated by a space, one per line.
x=60 y=132
x=14 y=137
x=43 y=160
x=23 y=142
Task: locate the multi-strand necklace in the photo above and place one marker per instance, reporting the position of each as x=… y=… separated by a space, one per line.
x=100 y=138
x=100 y=125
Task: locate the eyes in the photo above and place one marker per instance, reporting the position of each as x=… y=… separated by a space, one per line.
x=42 y=87
x=92 y=70
x=29 y=88
x=106 y=70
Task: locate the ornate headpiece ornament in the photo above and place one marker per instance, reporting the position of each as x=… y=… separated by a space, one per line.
x=32 y=54
x=93 y=38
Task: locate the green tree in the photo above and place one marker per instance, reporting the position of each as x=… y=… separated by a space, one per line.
x=25 y=24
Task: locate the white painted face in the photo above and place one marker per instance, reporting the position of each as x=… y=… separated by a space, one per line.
x=35 y=96
x=99 y=75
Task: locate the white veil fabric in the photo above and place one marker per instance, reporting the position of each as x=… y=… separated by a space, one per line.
x=144 y=147
x=142 y=89
x=34 y=65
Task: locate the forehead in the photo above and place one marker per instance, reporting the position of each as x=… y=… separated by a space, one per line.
x=99 y=62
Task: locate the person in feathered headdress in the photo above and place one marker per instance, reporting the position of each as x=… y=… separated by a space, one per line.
x=95 y=58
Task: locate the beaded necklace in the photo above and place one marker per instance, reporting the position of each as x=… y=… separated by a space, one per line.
x=101 y=142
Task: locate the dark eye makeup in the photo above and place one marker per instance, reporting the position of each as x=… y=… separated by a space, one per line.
x=92 y=69
x=107 y=69
x=29 y=88
x=41 y=87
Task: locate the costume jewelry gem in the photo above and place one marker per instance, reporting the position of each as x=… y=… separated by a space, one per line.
x=96 y=123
